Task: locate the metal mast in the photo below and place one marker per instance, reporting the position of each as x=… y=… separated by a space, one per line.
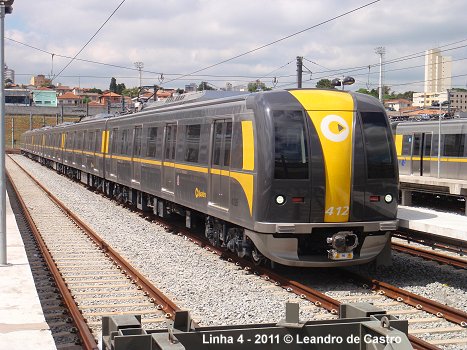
x=380 y=50
x=299 y=71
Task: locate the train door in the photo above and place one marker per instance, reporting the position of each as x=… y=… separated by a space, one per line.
x=220 y=165
x=168 y=169
x=421 y=150
x=137 y=144
x=426 y=154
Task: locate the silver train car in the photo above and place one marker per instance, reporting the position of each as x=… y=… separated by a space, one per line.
x=417 y=145
x=299 y=177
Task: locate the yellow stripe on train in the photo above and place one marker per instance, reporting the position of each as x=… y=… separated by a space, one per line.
x=332 y=115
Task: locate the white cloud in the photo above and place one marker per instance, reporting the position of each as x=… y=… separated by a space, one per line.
x=175 y=37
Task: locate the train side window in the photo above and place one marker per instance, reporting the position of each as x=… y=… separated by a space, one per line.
x=290 y=145
x=170 y=141
x=74 y=140
x=406 y=145
x=217 y=144
x=67 y=140
x=151 y=142
x=90 y=141
x=453 y=145
x=227 y=143
x=84 y=140
x=192 y=138
x=137 y=146
x=417 y=144
x=114 y=140
x=124 y=145
x=98 y=144
x=427 y=150
x=434 y=145
x=221 y=150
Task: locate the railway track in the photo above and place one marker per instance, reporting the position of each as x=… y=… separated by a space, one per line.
x=53 y=308
x=447 y=244
x=94 y=279
x=378 y=293
x=374 y=294
x=430 y=254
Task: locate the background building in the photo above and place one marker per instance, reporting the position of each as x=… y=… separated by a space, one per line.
x=44 y=97
x=427 y=99
x=9 y=74
x=40 y=80
x=191 y=87
x=458 y=100
x=397 y=104
x=437 y=72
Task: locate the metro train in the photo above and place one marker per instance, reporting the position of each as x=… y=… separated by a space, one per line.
x=301 y=177
x=417 y=148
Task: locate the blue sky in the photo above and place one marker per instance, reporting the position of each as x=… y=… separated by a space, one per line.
x=175 y=38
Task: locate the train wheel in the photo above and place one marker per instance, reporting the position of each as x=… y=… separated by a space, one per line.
x=257 y=257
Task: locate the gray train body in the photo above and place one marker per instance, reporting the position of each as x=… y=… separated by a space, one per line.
x=417 y=148
x=301 y=177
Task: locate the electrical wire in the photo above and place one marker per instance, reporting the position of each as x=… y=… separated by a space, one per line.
x=87 y=43
x=277 y=41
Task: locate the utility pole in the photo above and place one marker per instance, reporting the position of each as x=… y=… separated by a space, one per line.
x=139 y=66
x=380 y=50
x=12 y=132
x=299 y=71
x=5 y=7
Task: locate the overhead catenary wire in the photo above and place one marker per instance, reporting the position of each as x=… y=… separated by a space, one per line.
x=334 y=72
x=87 y=43
x=278 y=40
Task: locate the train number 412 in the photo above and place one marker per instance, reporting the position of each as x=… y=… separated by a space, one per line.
x=337 y=211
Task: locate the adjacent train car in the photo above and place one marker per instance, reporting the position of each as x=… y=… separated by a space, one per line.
x=298 y=177
x=418 y=146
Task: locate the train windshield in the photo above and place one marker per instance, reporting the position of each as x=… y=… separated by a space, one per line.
x=379 y=157
x=291 y=155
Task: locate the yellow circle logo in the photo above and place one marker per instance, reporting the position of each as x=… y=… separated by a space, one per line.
x=334 y=128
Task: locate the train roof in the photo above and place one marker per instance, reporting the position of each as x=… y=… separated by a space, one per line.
x=447 y=125
x=191 y=97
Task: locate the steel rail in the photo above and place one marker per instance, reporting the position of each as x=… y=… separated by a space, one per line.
x=432 y=240
x=421 y=303
x=88 y=341
x=165 y=304
x=430 y=255
x=304 y=292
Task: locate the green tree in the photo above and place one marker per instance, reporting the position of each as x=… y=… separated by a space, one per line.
x=324 y=84
x=120 y=88
x=371 y=92
x=85 y=100
x=95 y=90
x=257 y=86
x=205 y=86
x=113 y=85
x=132 y=92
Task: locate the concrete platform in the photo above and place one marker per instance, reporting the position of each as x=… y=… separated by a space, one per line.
x=437 y=223
x=434 y=185
x=22 y=323
x=448 y=187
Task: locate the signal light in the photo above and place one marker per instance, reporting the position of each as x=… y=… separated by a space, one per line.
x=374 y=198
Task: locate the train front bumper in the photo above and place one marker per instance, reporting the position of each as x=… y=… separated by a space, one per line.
x=283 y=247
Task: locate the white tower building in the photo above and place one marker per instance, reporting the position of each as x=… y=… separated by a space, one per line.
x=437 y=72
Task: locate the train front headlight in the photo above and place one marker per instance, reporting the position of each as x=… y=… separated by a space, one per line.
x=388 y=198
x=280 y=199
